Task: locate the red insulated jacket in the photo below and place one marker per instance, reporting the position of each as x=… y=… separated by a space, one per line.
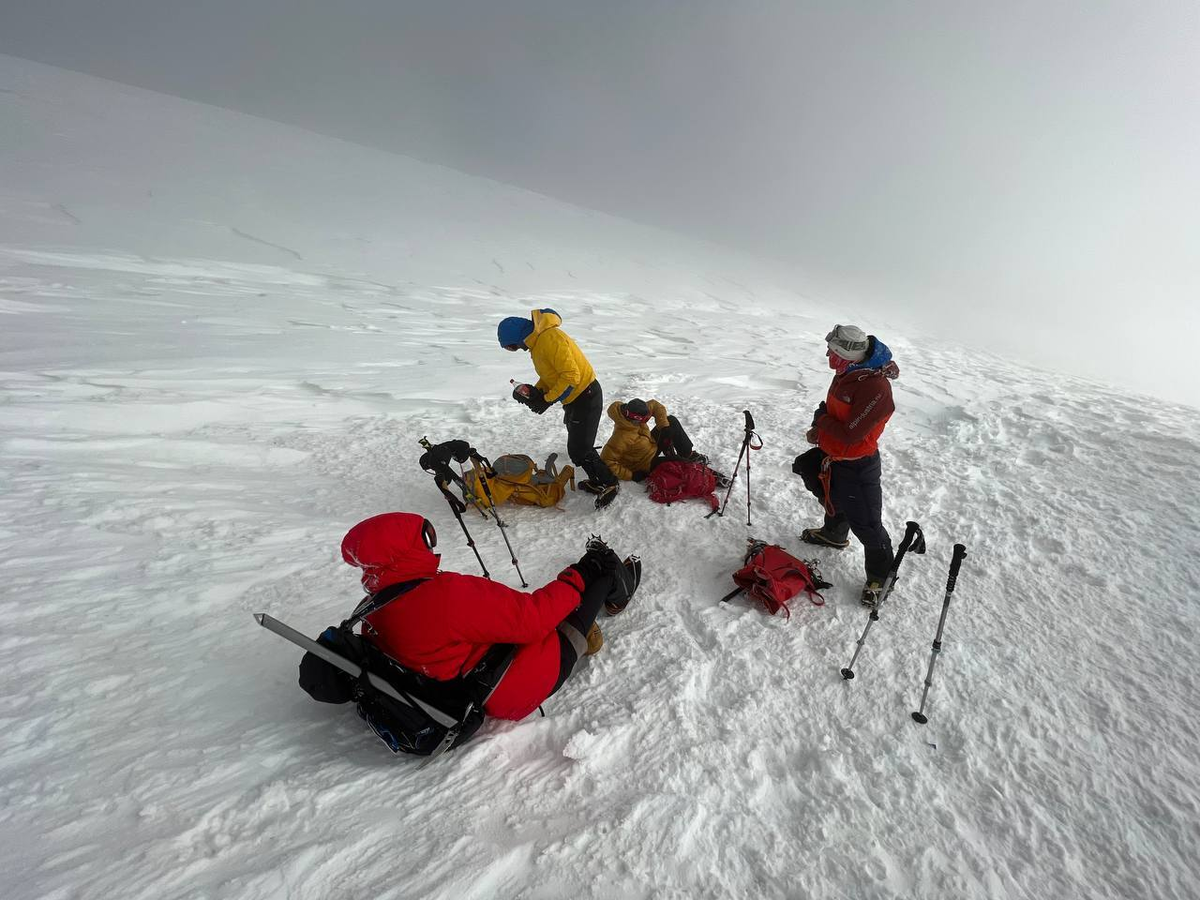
x=857 y=408
x=444 y=625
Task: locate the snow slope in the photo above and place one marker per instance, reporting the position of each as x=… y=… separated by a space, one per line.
x=220 y=340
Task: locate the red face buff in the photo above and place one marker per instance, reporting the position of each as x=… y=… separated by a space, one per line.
x=836 y=363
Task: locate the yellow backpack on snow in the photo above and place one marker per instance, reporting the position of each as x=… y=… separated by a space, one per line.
x=516 y=478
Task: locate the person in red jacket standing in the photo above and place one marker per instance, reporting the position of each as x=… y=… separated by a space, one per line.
x=843 y=469
x=441 y=624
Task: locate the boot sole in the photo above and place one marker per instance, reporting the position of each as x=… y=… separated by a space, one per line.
x=633 y=565
x=817 y=542
x=603 y=500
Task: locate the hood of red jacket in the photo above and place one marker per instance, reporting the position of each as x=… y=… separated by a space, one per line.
x=390 y=549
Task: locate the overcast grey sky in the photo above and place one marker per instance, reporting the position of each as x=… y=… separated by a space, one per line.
x=1021 y=174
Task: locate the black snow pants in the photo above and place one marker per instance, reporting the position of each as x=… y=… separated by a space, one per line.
x=857 y=501
x=681 y=444
x=582 y=418
x=572 y=631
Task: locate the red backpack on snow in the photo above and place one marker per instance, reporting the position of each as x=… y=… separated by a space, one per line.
x=773 y=576
x=674 y=480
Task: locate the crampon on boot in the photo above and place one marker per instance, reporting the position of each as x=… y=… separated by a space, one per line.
x=872 y=592
x=607 y=494
x=821 y=539
x=626 y=575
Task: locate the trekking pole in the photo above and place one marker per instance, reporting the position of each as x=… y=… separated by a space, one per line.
x=443 y=475
x=488 y=469
x=914 y=540
x=955 y=561
x=747 y=445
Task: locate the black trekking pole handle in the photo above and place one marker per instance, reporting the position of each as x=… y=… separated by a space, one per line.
x=749 y=420
x=459 y=451
x=436 y=460
x=960 y=553
x=914 y=539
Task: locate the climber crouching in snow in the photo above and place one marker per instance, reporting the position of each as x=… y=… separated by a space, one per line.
x=440 y=635
x=843 y=471
x=634 y=449
x=564 y=375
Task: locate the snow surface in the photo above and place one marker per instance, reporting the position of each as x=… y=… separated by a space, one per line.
x=220 y=339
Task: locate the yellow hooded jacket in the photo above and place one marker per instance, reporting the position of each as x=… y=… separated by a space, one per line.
x=631 y=448
x=561 y=366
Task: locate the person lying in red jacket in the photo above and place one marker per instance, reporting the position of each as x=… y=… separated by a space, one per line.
x=441 y=624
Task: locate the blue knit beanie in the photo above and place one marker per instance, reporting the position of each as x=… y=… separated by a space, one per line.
x=513 y=331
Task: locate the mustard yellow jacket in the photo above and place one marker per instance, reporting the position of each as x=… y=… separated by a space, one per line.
x=631 y=449
x=563 y=371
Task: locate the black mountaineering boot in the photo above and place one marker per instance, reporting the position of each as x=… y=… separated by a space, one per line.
x=821 y=539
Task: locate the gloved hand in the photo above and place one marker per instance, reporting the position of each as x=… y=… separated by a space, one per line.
x=595 y=564
x=811 y=435
x=639 y=477
x=818 y=412
x=530 y=396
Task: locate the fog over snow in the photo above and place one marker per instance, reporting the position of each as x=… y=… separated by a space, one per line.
x=1020 y=177
x=220 y=341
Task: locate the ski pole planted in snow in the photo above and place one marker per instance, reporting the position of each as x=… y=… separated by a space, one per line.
x=489 y=470
x=747 y=445
x=960 y=553
x=914 y=540
x=436 y=460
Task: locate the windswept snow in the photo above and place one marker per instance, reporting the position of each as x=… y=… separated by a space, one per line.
x=220 y=340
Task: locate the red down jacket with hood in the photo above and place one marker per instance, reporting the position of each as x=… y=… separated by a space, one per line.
x=444 y=625
x=858 y=405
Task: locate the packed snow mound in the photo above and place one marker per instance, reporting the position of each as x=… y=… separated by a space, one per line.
x=212 y=367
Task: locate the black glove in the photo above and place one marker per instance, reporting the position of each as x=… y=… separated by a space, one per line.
x=820 y=411
x=595 y=564
x=639 y=477
x=533 y=398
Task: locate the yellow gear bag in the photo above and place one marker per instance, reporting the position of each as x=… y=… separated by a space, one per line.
x=516 y=478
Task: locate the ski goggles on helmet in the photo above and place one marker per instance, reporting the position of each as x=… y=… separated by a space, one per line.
x=429 y=534
x=846 y=338
x=637 y=417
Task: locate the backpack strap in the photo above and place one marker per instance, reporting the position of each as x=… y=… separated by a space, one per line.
x=374 y=602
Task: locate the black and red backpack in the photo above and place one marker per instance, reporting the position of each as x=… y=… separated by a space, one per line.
x=677 y=480
x=774 y=577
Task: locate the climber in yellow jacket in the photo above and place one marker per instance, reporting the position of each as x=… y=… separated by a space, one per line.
x=634 y=450
x=564 y=376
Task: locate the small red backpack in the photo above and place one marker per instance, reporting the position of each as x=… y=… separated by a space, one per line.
x=773 y=576
x=675 y=480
